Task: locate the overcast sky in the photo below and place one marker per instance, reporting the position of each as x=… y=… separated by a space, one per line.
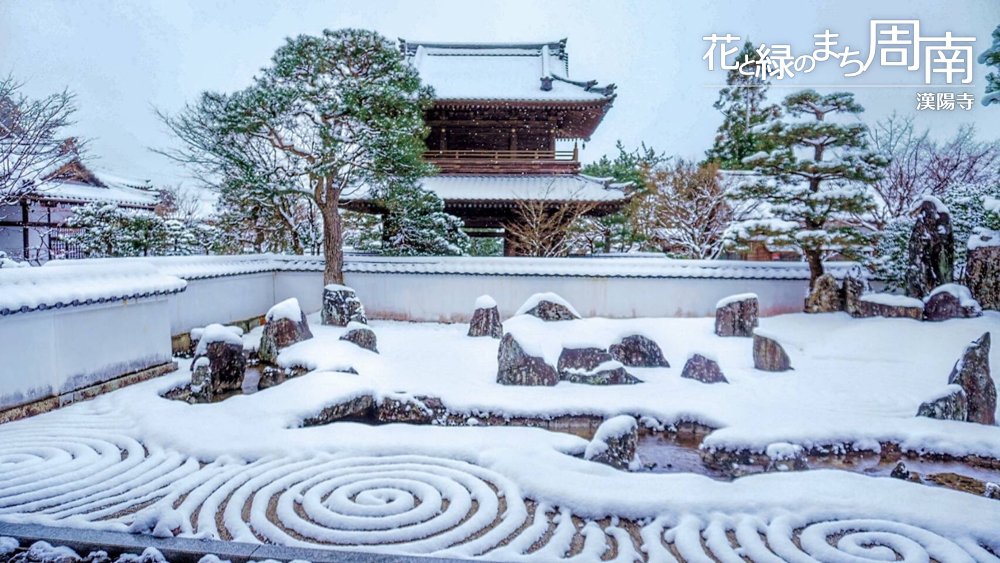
x=123 y=58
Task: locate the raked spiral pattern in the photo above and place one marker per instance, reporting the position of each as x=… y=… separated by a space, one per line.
x=85 y=472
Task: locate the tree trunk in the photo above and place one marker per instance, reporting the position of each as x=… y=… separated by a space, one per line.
x=333 y=240
x=815 y=260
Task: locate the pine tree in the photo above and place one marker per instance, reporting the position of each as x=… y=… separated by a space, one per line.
x=744 y=110
x=106 y=230
x=415 y=223
x=627 y=229
x=991 y=57
x=814 y=197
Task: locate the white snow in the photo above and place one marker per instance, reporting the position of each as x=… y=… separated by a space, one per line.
x=962 y=293
x=218 y=333
x=197 y=332
x=780 y=451
x=734 y=298
x=485 y=302
x=31 y=288
x=337 y=287
x=983 y=237
x=892 y=300
x=547 y=296
x=939 y=205
x=287 y=309
x=992 y=204
x=7 y=545
x=614 y=427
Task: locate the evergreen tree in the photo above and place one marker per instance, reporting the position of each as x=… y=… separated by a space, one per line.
x=813 y=197
x=331 y=113
x=627 y=229
x=415 y=223
x=106 y=230
x=991 y=57
x=744 y=109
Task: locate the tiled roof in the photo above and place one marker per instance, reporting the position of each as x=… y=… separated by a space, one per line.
x=498 y=187
x=85 y=193
x=500 y=71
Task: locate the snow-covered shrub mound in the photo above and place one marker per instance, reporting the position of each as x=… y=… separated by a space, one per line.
x=615 y=443
x=548 y=307
x=8 y=262
x=7 y=545
x=26 y=289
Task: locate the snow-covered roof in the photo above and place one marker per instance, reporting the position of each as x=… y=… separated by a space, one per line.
x=500 y=71
x=36 y=289
x=611 y=266
x=500 y=187
x=84 y=193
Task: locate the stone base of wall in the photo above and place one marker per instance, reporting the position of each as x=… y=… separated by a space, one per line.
x=181 y=343
x=52 y=403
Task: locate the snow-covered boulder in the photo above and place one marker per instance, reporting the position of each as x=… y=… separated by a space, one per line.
x=825 y=296
x=402 y=407
x=951 y=301
x=522 y=362
x=704 y=369
x=784 y=456
x=8 y=546
x=637 y=351
x=952 y=405
x=855 y=285
x=486 y=319
x=972 y=374
x=284 y=325
x=224 y=349
x=889 y=305
x=768 y=355
x=615 y=443
x=548 y=307
x=931 y=248
x=195 y=336
x=610 y=372
x=982 y=267
x=737 y=315
x=201 y=380
x=361 y=335
x=341 y=306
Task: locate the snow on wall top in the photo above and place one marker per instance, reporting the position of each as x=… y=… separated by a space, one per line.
x=35 y=289
x=500 y=71
x=611 y=266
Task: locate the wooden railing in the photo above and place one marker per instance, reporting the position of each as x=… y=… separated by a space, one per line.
x=502 y=155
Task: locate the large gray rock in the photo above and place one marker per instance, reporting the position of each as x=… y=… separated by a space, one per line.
x=972 y=374
x=226 y=361
x=855 y=285
x=486 y=319
x=593 y=366
x=951 y=301
x=931 y=249
x=548 y=307
x=768 y=355
x=703 y=369
x=982 y=268
x=888 y=305
x=637 y=351
x=517 y=367
x=284 y=325
x=615 y=443
x=825 y=296
x=359 y=334
x=342 y=306
x=952 y=406
x=737 y=315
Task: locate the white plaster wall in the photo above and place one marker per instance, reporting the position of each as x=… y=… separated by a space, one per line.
x=307 y=287
x=58 y=351
x=221 y=300
x=451 y=298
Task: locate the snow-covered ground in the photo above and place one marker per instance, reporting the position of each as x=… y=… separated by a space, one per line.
x=242 y=469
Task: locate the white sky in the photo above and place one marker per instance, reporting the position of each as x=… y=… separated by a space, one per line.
x=124 y=58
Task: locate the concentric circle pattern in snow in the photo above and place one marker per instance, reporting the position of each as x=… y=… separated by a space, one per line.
x=84 y=471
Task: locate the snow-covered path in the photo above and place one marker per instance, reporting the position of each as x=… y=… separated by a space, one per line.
x=241 y=469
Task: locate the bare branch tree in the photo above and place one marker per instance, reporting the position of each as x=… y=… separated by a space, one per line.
x=544 y=225
x=30 y=137
x=691 y=208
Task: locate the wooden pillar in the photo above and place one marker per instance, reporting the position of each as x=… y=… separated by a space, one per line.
x=508 y=244
x=444 y=139
x=513 y=139
x=25 y=234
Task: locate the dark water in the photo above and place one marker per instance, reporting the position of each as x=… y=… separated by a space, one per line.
x=666 y=453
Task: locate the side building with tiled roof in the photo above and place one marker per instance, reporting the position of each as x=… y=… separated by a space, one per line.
x=500 y=112
x=33 y=229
